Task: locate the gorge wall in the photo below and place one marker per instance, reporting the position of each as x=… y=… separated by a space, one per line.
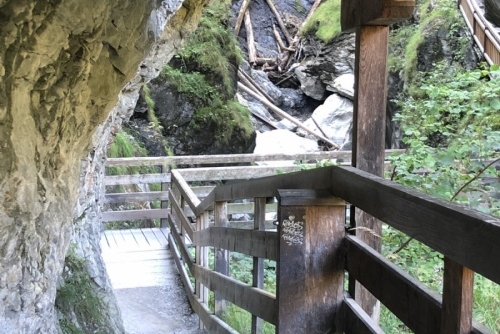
x=64 y=65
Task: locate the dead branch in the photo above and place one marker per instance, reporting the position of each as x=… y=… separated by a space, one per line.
x=283 y=114
x=241 y=14
x=252 y=53
x=280 y=22
x=250 y=83
x=280 y=41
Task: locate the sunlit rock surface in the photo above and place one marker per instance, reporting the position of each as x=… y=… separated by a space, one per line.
x=63 y=67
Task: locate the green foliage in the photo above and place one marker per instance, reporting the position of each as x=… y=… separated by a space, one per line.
x=452 y=129
x=213 y=48
x=204 y=69
x=153 y=120
x=325 y=21
x=77 y=297
x=241 y=321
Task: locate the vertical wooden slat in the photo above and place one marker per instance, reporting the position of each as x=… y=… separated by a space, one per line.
x=458 y=287
x=310 y=262
x=369 y=133
x=258 y=263
x=221 y=255
x=164 y=187
x=202 y=259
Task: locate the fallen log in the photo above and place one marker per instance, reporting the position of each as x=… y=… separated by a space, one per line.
x=241 y=14
x=252 y=53
x=283 y=114
x=282 y=45
x=280 y=22
x=250 y=83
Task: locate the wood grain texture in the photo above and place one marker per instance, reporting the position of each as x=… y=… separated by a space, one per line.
x=221 y=255
x=185 y=224
x=136 y=197
x=260 y=210
x=136 y=179
x=458 y=290
x=369 y=131
x=256 y=301
x=310 y=273
x=397 y=290
x=462 y=234
x=254 y=243
x=356 y=321
x=184 y=189
x=111 y=216
x=355 y=13
x=179 y=244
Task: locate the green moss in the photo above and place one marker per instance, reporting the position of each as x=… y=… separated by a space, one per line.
x=213 y=48
x=325 y=21
x=153 y=120
x=124 y=146
x=205 y=70
x=76 y=298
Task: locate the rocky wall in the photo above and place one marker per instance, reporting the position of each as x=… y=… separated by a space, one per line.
x=63 y=66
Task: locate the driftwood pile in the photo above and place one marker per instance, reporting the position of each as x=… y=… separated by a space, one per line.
x=289 y=53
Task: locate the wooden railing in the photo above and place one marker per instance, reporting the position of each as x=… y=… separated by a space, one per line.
x=163 y=165
x=313 y=252
x=484 y=33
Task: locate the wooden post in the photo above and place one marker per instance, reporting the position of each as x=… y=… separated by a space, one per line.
x=221 y=255
x=458 y=286
x=258 y=263
x=369 y=134
x=202 y=260
x=310 y=267
x=164 y=187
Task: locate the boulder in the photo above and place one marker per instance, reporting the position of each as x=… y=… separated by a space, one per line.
x=333 y=118
x=283 y=141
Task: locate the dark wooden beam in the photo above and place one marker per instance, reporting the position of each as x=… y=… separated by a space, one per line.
x=369 y=135
x=356 y=13
x=310 y=267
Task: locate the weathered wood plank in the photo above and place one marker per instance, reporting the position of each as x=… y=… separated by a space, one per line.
x=135 y=179
x=221 y=255
x=355 y=13
x=233 y=173
x=254 y=243
x=256 y=301
x=111 y=216
x=398 y=291
x=368 y=131
x=184 y=189
x=356 y=321
x=202 y=191
x=310 y=266
x=180 y=244
x=181 y=218
x=136 y=197
x=458 y=290
x=469 y=234
x=258 y=263
x=210 y=321
x=231 y=158
x=319 y=178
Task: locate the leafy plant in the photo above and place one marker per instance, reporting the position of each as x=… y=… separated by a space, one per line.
x=76 y=298
x=324 y=23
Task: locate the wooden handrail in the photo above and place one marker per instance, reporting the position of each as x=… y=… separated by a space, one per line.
x=484 y=33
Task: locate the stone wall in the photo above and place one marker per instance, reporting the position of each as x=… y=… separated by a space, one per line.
x=63 y=66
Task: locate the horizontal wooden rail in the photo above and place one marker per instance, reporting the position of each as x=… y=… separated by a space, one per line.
x=256 y=301
x=136 y=179
x=231 y=158
x=136 y=197
x=254 y=243
x=356 y=321
x=111 y=216
x=485 y=34
x=464 y=235
x=179 y=213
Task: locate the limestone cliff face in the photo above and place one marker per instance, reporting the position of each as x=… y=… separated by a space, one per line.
x=63 y=66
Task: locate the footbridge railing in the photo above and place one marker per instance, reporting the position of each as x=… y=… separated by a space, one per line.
x=314 y=253
x=485 y=34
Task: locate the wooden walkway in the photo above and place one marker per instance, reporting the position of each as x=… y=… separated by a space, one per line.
x=136 y=257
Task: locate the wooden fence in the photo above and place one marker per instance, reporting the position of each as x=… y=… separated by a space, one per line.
x=197 y=173
x=313 y=251
x=484 y=33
